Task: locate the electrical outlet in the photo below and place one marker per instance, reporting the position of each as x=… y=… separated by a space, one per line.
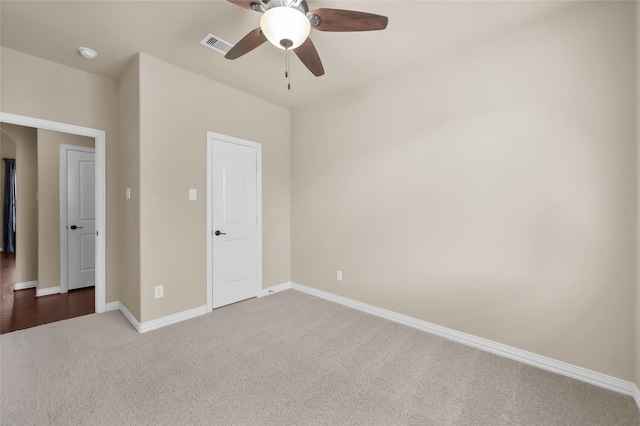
x=193 y=194
x=159 y=291
x=339 y=275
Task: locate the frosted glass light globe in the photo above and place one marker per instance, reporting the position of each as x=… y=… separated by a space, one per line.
x=284 y=27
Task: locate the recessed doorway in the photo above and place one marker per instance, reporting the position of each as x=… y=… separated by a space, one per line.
x=100 y=186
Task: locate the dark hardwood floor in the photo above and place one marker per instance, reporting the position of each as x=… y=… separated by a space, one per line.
x=22 y=309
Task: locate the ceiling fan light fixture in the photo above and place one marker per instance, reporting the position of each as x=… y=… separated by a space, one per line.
x=285 y=27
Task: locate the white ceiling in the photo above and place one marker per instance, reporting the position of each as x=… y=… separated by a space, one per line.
x=172 y=30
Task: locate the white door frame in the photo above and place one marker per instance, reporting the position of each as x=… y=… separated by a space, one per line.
x=100 y=147
x=211 y=137
x=64 y=211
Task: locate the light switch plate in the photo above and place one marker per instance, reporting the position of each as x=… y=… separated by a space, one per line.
x=128 y=193
x=193 y=194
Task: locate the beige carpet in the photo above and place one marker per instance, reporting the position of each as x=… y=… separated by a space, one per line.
x=286 y=359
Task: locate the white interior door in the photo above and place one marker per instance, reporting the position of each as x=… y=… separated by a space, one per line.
x=235 y=222
x=81 y=217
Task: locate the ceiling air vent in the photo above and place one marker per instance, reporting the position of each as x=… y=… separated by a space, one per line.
x=216 y=43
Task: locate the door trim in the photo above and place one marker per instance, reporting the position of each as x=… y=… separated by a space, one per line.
x=64 y=248
x=211 y=137
x=100 y=147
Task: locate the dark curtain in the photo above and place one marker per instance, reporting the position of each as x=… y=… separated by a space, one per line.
x=9 y=212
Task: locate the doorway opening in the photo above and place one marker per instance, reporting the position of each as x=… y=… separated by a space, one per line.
x=32 y=290
x=99 y=243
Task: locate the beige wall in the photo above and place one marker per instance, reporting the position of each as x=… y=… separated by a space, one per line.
x=49 y=143
x=39 y=88
x=638 y=193
x=487 y=191
x=177 y=108
x=7 y=150
x=26 y=201
x=129 y=177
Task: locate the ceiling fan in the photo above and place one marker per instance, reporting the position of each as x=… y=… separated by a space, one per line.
x=287 y=24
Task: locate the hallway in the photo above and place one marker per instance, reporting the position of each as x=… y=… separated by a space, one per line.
x=22 y=309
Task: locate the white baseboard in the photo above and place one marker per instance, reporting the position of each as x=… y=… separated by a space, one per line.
x=25 y=285
x=180 y=316
x=274 y=289
x=112 y=306
x=47 y=291
x=172 y=319
x=132 y=319
x=549 y=364
x=117 y=306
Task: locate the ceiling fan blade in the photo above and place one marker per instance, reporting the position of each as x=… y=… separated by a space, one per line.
x=309 y=56
x=346 y=20
x=247 y=4
x=252 y=40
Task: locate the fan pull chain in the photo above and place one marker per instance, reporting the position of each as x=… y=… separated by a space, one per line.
x=287 y=72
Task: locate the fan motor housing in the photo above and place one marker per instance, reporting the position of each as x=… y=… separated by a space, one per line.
x=301 y=6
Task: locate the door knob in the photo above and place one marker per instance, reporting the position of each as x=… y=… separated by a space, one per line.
x=76 y=227
x=220 y=233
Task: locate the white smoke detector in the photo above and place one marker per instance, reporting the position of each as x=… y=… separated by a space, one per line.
x=87 y=53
